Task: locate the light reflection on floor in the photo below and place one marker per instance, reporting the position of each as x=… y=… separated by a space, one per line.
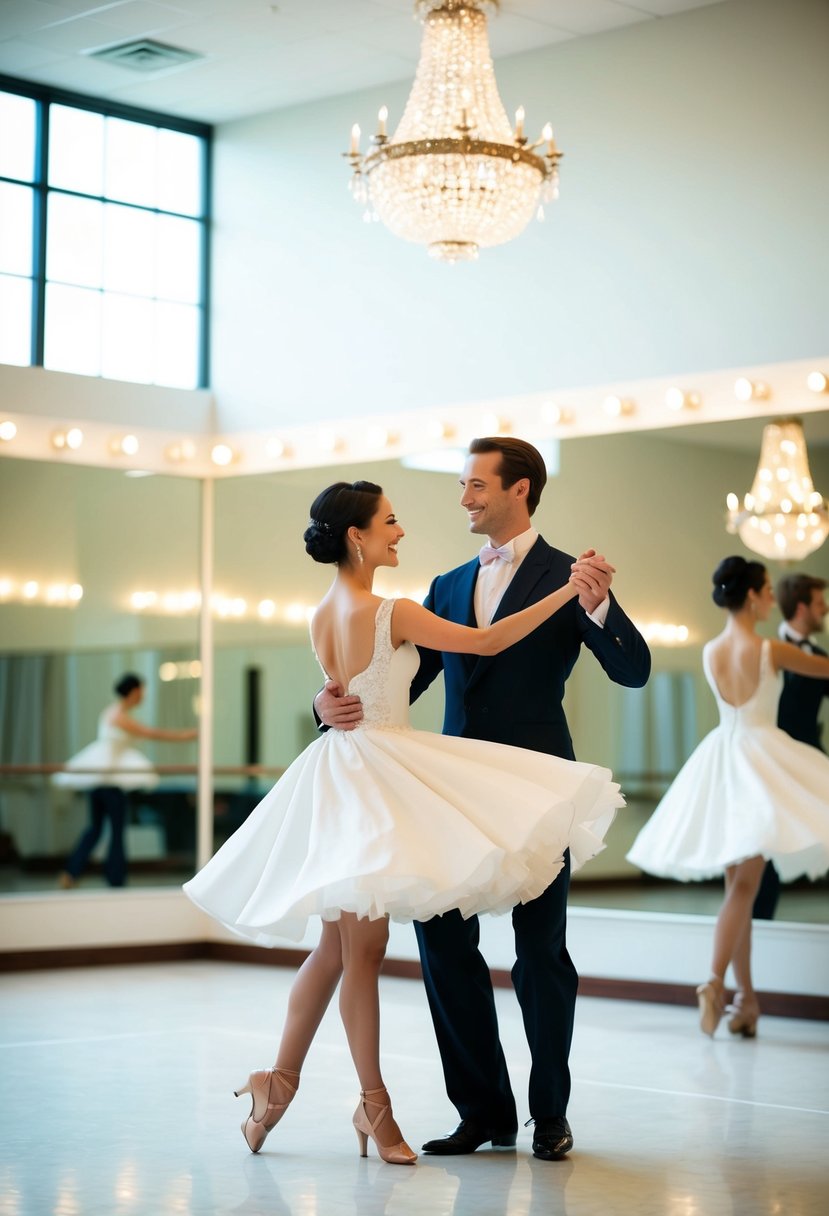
x=117 y=1101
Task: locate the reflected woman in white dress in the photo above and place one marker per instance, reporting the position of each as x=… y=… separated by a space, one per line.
x=747 y=794
x=108 y=768
x=385 y=821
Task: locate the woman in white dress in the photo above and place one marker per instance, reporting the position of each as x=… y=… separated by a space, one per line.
x=108 y=768
x=747 y=794
x=387 y=821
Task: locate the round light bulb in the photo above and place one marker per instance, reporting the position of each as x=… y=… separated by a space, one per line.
x=221 y=454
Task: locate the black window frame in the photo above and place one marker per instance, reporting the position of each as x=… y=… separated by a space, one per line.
x=44 y=97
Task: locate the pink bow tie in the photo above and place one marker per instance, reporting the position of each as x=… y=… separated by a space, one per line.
x=490 y=554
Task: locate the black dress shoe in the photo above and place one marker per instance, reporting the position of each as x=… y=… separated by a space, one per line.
x=468 y=1136
x=552 y=1138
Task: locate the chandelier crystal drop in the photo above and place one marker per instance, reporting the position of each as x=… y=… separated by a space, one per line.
x=454 y=176
x=783 y=517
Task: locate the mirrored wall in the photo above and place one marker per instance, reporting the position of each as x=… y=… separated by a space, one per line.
x=80 y=549
x=653 y=502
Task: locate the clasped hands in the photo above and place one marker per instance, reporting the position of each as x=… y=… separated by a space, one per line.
x=592 y=574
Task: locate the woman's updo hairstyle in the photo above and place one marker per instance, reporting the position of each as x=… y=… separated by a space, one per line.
x=127 y=684
x=342 y=506
x=733 y=579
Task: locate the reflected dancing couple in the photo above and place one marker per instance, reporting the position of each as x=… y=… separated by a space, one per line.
x=375 y=820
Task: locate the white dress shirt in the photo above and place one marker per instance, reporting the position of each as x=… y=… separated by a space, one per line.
x=787 y=633
x=494 y=578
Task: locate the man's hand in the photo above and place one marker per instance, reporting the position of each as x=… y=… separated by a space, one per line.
x=593 y=574
x=335 y=710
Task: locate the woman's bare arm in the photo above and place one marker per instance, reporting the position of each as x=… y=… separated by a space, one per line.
x=124 y=722
x=787 y=657
x=412 y=622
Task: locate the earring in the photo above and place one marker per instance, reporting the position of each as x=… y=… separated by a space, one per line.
x=360 y=554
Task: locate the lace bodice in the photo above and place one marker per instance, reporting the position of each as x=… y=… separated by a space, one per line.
x=761 y=707
x=383 y=686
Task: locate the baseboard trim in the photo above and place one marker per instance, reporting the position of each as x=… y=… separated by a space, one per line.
x=775 y=1004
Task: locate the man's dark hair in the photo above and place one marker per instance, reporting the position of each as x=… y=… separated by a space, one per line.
x=518 y=459
x=794 y=589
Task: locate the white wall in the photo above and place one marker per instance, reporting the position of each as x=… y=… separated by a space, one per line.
x=690 y=233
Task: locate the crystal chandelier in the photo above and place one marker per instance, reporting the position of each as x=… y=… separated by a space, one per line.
x=783 y=516
x=454 y=176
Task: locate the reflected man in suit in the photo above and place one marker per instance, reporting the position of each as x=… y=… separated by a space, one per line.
x=515 y=698
x=804 y=608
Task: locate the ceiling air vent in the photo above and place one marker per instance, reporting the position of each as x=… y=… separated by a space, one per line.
x=145 y=55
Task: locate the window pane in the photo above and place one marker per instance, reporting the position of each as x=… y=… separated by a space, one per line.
x=176 y=345
x=16 y=229
x=76 y=149
x=179 y=172
x=75 y=240
x=130 y=161
x=15 y=320
x=128 y=331
x=129 y=250
x=73 y=330
x=177 y=275
x=17 y=136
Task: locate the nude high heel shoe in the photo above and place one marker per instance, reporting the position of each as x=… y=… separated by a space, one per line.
x=711 y=1001
x=394 y=1154
x=271 y=1090
x=744 y=1014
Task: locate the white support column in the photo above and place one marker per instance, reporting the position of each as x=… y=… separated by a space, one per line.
x=204 y=831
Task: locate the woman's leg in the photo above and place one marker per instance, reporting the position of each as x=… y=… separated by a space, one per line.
x=732 y=936
x=311 y=994
x=363 y=949
x=272 y=1089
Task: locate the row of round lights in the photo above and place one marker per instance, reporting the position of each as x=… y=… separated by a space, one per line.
x=661 y=633
x=226 y=607
x=381 y=438
x=678 y=399
x=31 y=591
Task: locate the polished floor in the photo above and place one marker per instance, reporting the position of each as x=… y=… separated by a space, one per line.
x=117 y=1101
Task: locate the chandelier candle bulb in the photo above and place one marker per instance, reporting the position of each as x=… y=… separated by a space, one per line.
x=354 y=147
x=382 y=116
x=520 y=138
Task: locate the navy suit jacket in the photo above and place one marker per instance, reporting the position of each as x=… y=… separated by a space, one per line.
x=800 y=701
x=516 y=696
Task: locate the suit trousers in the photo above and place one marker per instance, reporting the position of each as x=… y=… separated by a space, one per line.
x=459 y=990
x=105 y=802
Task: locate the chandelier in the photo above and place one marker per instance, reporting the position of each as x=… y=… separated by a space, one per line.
x=783 y=516
x=454 y=176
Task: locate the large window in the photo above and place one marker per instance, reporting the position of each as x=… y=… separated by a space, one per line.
x=103 y=238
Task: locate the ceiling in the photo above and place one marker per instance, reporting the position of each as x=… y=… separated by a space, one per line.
x=259 y=56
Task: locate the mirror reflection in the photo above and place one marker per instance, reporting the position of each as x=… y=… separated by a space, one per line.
x=623 y=494
x=79 y=546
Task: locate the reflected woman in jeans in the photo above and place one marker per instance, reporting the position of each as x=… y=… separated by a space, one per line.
x=109 y=768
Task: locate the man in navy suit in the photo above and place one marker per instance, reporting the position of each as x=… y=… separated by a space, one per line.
x=514 y=697
x=803 y=605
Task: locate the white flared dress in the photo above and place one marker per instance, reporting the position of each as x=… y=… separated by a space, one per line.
x=110 y=761
x=747 y=790
x=385 y=820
